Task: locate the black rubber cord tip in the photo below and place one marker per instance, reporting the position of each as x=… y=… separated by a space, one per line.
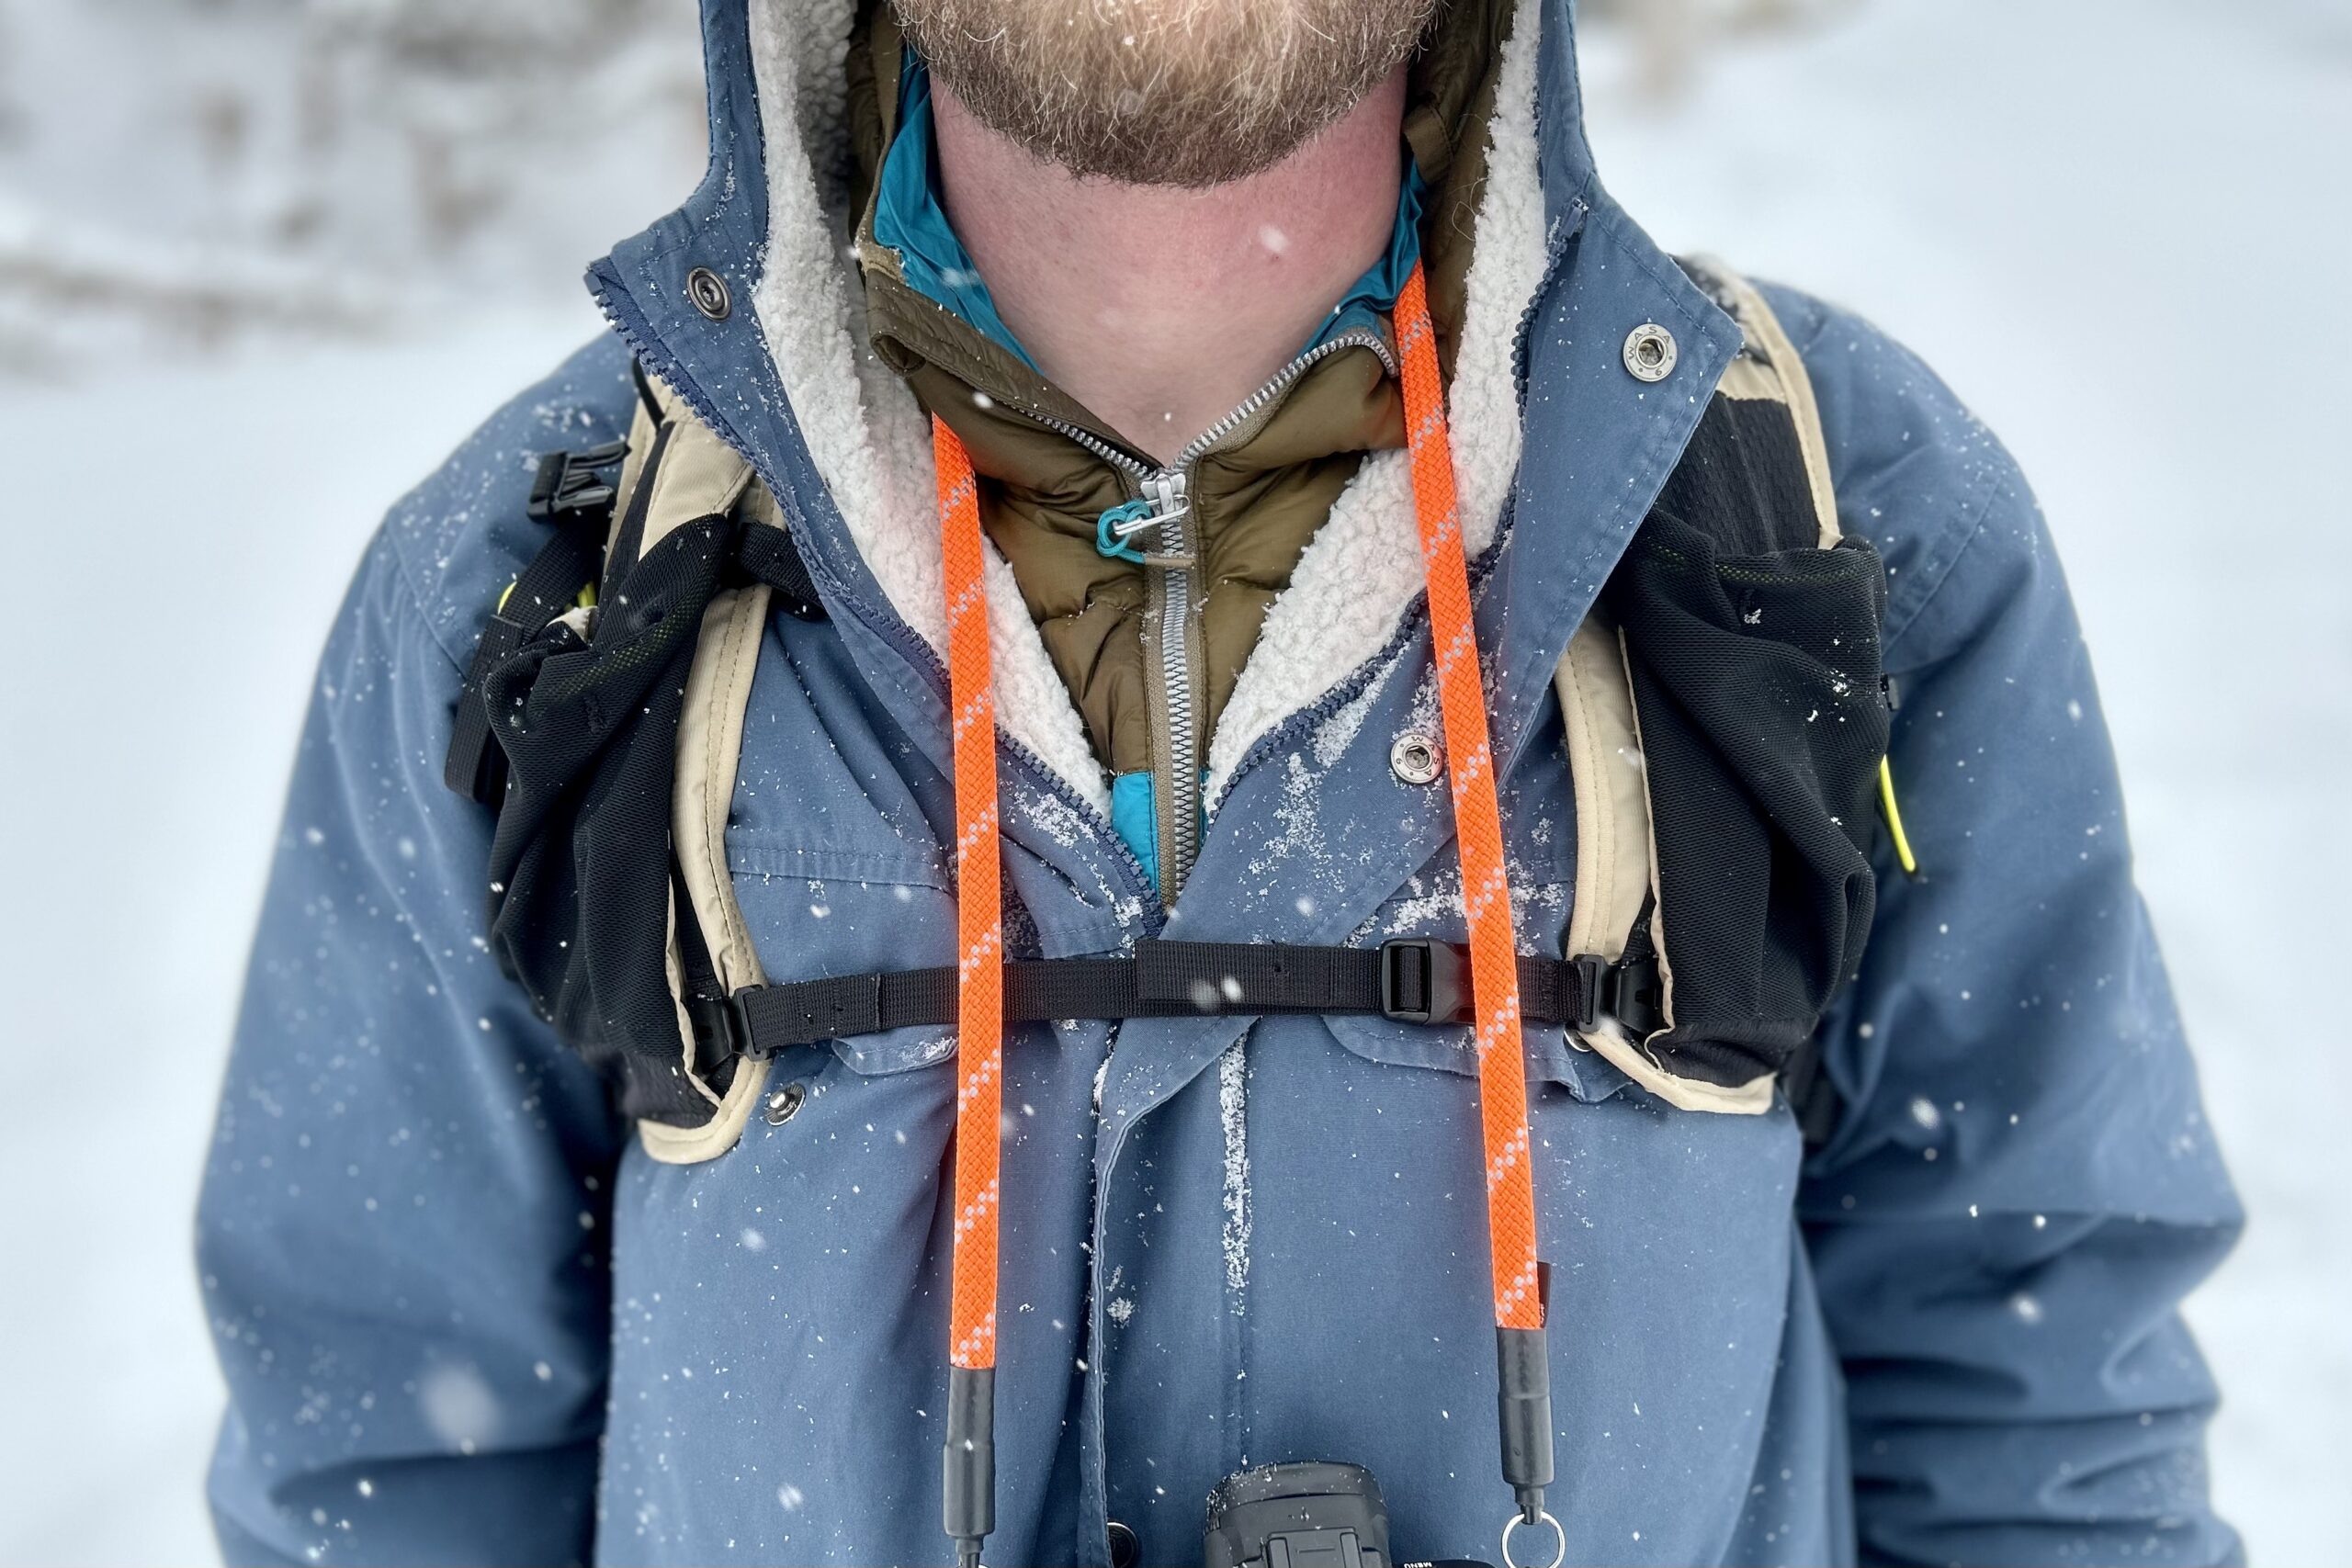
x=968 y=1495
x=1524 y=1402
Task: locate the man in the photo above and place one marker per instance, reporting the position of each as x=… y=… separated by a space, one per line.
x=1155 y=270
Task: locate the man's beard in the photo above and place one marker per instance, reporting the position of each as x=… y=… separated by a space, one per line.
x=1163 y=92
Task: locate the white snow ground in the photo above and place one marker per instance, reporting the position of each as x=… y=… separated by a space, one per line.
x=2118 y=227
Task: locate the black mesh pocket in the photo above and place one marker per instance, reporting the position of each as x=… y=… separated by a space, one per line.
x=580 y=867
x=1757 y=686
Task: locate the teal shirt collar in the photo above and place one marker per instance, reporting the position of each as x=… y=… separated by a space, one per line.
x=910 y=220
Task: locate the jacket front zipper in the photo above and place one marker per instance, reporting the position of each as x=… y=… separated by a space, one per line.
x=1173 y=613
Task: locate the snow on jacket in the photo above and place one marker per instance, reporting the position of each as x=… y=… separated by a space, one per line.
x=465 y=1317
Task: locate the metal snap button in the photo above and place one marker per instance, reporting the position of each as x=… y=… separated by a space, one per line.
x=710 y=294
x=1650 y=352
x=1416 y=758
x=784 y=1103
x=1125 y=1548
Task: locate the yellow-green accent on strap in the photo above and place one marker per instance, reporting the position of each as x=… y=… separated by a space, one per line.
x=586 y=598
x=1895 y=819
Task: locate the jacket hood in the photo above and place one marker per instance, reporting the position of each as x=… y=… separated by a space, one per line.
x=786 y=375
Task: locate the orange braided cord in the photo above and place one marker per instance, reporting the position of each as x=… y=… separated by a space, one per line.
x=1477 y=821
x=980 y=921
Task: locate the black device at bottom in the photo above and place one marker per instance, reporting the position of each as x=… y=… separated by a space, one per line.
x=1317 y=1515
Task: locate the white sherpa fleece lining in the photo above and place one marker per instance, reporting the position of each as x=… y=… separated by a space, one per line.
x=872 y=444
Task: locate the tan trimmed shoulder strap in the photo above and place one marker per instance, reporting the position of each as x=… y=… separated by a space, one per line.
x=1617 y=874
x=1768 y=367
x=1611 y=796
x=693 y=474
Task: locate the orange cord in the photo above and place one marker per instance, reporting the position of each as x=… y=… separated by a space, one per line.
x=1477 y=823
x=1493 y=971
x=979 y=914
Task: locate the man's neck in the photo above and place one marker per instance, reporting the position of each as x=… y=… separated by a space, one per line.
x=1161 y=309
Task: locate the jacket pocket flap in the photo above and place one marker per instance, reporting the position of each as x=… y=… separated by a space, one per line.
x=1552 y=1056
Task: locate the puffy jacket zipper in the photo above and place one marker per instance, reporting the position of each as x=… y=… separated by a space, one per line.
x=1173 y=621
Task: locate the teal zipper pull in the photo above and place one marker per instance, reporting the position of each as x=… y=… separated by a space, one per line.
x=1114 y=527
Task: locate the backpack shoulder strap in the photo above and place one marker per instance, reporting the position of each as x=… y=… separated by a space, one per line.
x=711 y=957
x=671 y=523
x=1616 y=924
x=1769 y=367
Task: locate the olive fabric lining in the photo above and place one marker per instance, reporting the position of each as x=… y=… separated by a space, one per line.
x=1255 y=505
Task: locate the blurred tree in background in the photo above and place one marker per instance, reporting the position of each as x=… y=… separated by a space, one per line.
x=188 y=171
x=454 y=89
x=1670 y=35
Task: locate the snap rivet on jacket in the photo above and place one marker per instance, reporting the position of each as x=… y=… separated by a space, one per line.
x=710 y=294
x=1415 y=758
x=784 y=1103
x=1650 y=352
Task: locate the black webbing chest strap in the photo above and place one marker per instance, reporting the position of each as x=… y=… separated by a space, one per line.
x=1410 y=981
x=575 y=715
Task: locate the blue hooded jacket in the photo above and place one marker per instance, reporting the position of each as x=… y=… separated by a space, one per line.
x=465 y=1317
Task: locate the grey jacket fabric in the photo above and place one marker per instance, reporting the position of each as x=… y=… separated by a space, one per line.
x=465 y=1318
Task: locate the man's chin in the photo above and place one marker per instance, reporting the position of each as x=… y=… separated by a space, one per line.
x=1177 y=93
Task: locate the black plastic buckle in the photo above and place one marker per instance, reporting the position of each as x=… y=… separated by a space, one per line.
x=721 y=1033
x=1636 y=995
x=1424 y=982
x=1631 y=990
x=1592 y=978
x=571 y=484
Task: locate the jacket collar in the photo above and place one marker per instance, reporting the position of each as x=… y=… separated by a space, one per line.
x=1598 y=444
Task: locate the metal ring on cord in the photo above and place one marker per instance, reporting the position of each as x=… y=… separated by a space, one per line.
x=1542 y=1515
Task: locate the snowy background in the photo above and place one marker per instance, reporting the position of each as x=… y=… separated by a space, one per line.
x=263 y=262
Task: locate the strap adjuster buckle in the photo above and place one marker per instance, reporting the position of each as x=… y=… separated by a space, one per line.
x=1636 y=995
x=572 y=484
x=1629 y=991
x=721 y=1031
x=1423 y=981
x=1585 y=1009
